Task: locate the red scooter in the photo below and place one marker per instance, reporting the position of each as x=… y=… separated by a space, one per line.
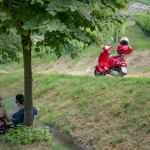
x=114 y=65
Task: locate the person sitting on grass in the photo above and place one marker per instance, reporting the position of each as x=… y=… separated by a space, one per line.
x=18 y=116
x=3 y=116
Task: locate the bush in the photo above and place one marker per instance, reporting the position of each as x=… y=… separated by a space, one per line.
x=143 y=21
x=25 y=135
x=148 y=12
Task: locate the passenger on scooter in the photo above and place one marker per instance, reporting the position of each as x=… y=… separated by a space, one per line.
x=123 y=48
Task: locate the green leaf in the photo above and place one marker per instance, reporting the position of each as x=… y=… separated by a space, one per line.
x=25 y=32
x=40 y=1
x=37 y=50
x=52 y=28
x=72 y=8
x=53 y=13
x=30 y=24
x=59 y=9
x=27 y=47
x=39 y=43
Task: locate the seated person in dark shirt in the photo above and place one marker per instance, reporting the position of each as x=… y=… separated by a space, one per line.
x=18 y=116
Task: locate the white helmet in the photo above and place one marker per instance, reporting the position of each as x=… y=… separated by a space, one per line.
x=124 y=41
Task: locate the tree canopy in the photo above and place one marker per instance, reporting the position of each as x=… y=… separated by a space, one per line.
x=64 y=20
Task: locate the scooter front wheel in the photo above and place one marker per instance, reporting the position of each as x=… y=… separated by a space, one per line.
x=98 y=73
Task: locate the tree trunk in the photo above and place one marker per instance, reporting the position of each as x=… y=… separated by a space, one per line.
x=28 y=106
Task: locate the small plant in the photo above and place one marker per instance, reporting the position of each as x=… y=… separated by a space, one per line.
x=25 y=135
x=117 y=113
x=67 y=128
x=117 y=139
x=148 y=130
x=138 y=57
x=142 y=124
x=127 y=102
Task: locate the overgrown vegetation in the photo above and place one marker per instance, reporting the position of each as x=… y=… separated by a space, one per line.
x=28 y=138
x=25 y=135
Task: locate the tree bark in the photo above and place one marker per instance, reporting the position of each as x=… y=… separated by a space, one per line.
x=28 y=105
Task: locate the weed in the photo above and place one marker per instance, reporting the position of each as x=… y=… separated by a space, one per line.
x=142 y=124
x=57 y=125
x=117 y=112
x=138 y=57
x=117 y=139
x=127 y=102
x=68 y=128
x=147 y=130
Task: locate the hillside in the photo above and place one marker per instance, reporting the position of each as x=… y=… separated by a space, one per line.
x=138 y=65
x=138 y=60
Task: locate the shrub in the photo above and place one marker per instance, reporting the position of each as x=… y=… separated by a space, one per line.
x=25 y=135
x=143 y=21
x=148 y=12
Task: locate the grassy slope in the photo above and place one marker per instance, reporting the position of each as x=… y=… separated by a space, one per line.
x=137 y=39
x=105 y=112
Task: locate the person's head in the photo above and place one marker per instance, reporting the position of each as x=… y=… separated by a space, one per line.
x=20 y=99
x=124 y=41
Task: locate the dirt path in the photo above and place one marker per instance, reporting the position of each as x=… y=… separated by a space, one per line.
x=138 y=65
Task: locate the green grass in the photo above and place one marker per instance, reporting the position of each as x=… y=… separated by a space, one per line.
x=137 y=39
x=103 y=107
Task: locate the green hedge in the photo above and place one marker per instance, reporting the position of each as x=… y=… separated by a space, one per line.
x=143 y=20
x=148 y=12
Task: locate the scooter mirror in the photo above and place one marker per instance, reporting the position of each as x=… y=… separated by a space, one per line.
x=112 y=39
